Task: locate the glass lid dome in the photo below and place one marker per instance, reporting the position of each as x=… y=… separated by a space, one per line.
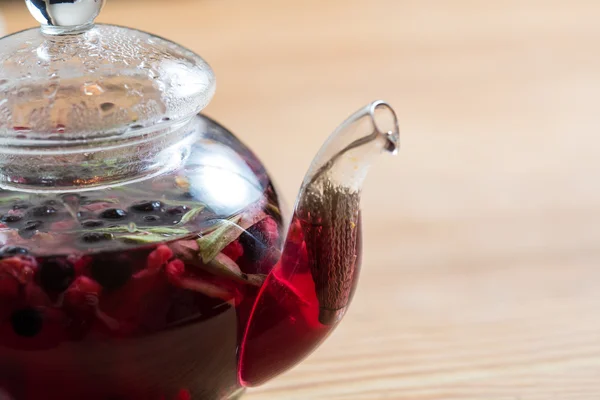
x=73 y=82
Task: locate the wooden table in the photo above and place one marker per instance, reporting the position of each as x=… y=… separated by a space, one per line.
x=482 y=268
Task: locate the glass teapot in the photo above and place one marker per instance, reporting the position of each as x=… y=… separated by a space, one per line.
x=144 y=253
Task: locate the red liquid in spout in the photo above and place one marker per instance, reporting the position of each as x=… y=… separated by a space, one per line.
x=284 y=326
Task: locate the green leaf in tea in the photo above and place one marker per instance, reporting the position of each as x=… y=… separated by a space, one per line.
x=212 y=244
x=191 y=215
x=229 y=230
x=142 y=239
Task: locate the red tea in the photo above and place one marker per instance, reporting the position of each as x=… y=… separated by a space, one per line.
x=126 y=294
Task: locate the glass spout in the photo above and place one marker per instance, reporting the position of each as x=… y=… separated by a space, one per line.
x=346 y=156
x=329 y=203
x=308 y=292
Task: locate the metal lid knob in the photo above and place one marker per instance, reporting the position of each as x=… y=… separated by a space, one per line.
x=65 y=16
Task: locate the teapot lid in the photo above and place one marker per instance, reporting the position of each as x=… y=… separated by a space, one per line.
x=74 y=80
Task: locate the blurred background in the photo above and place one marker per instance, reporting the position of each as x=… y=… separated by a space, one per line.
x=481 y=276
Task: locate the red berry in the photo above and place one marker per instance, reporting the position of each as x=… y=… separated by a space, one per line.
x=22 y=267
x=184 y=395
x=175 y=270
x=82 y=295
x=159 y=257
x=9 y=287
x=80 y=263
x=270 y=231
x=234 y=250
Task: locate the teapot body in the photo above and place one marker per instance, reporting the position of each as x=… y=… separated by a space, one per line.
x=142 y=290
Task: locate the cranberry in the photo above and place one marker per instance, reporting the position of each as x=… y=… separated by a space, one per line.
x=147 y=206
x=56 y=275
x=184 y=395
x=158 y=257
x=113 y=213
x=175 y=271
x=234 y=250
x=27 y=322
x=82 y=296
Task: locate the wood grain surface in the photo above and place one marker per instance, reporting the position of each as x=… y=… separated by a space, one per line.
x=482 y=238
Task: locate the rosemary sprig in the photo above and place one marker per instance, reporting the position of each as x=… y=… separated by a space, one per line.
x=212 y=244
x=142 y=239
x=10 y=199
x=221 y=265
x=191 y=215
x=229 y=230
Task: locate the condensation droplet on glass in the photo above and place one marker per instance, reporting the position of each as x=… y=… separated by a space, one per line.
x=132 y=227
x=92 y=89
x=106 y=107
x=51 y=90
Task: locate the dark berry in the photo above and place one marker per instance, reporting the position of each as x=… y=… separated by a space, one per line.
x=43 y=211
x=151 y=218
x=32 y=225
x=92 y=223
x=259 y=238
x=27 y=322
x=147 y=206
x=113 y=213
x=112 y=272
x=21 y=205
x=56 y=275
x=177 y=210
x=12 y=251
x=254 y=244
x=11 y=218
x=30 y=228
x=95 y=237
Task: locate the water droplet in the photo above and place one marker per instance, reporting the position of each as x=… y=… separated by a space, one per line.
x=51 y=90
x=106 y=107
x=132 y=227
x=92 y=89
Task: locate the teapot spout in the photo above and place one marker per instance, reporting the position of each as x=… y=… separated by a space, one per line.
x=328 y=206
x=308 y=291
